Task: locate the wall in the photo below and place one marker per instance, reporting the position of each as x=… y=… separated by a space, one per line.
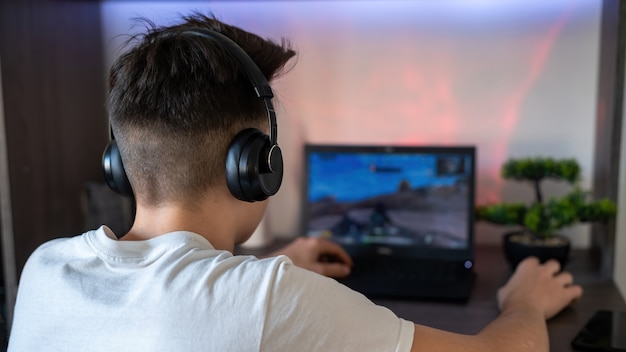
x=607 y=140
x=620 y=226
x=616 y=105
x=7 y=264
x=56 y=127
x=515 y=78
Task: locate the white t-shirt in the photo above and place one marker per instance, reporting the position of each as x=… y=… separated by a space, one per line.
x=176 y=292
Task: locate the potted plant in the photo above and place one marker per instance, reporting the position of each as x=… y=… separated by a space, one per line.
x=540 y=222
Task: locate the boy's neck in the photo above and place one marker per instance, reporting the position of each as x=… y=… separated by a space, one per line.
x=212 y=219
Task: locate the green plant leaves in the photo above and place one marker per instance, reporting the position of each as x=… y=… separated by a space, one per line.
x=541 y=218
x=503 y=214
x=538 y=168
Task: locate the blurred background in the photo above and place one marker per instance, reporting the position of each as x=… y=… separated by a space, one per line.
x=515 y=78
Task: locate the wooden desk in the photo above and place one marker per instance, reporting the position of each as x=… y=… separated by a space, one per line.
x=492 y=272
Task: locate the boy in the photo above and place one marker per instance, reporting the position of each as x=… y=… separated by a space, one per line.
x=201 y=158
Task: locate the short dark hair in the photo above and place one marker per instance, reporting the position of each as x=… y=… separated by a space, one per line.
x=176 y=101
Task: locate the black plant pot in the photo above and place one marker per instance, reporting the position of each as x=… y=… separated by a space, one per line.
x=516 y=251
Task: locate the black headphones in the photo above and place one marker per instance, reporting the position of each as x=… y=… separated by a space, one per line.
x=254 y=163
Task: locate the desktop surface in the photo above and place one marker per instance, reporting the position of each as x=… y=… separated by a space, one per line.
x=492 y=271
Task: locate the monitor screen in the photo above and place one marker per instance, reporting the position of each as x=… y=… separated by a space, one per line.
x=398 y=196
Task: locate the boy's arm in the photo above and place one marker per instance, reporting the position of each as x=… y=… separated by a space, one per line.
x=532 y=295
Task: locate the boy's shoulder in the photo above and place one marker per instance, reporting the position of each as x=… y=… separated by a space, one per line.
x=62 y=247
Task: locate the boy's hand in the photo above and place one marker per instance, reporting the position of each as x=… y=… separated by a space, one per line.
x=539 y=286
x=319 y=255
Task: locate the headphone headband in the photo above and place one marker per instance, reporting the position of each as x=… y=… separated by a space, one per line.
x=260 y=84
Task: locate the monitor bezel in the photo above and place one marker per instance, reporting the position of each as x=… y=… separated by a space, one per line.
x=466 y=253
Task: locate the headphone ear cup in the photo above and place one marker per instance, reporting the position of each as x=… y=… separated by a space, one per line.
x=114 y=173
x=254 y=167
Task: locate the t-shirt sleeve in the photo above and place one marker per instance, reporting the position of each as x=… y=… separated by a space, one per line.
x=310 y=312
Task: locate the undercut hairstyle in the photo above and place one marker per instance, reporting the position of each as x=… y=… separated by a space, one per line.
x=176 y=101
